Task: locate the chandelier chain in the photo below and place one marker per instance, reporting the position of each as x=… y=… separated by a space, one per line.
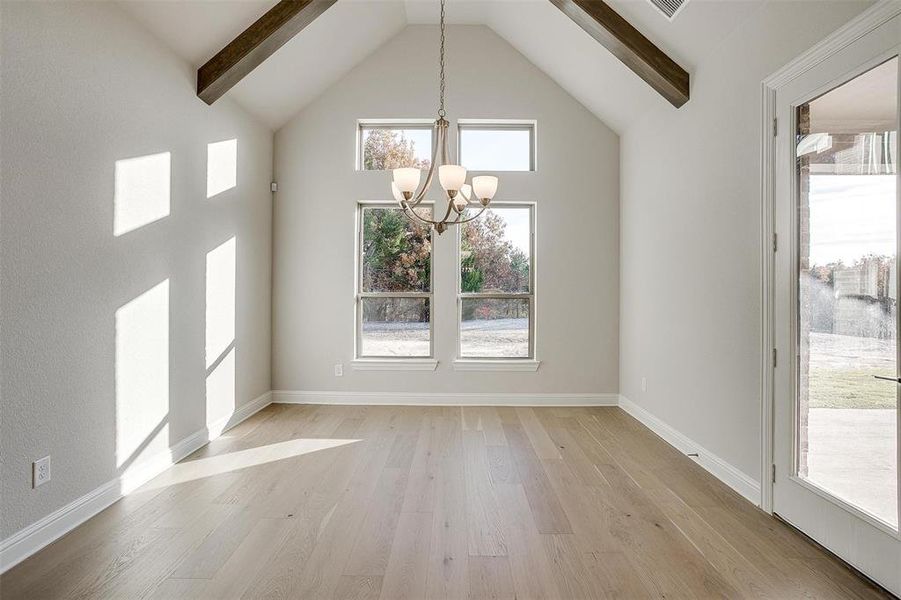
x=441 y=111
x=459 y=194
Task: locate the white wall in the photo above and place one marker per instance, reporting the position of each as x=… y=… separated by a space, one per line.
x=690 y=295
x=576 y=189
x=682 y=311
x=82 y=88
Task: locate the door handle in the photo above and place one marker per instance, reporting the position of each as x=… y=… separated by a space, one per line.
x=895 y=379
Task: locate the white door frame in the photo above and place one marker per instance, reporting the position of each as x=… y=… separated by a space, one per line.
x=867 y=21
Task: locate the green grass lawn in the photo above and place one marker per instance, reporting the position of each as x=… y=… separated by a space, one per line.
x=834 y=388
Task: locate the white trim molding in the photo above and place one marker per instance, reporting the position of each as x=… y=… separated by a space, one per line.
x=29 y=540
x=244 y=412
x=742 y=483
x=768 y=249
x=394 y=364
x=441 y=399
x=864 y=23
x=33 y=538
x=870 y=19
x=528 y=365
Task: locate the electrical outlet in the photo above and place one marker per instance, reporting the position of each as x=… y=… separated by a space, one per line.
x=644 y=384
x=40 y=471
x=339 y=370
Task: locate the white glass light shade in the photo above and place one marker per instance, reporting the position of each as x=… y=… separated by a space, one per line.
x=407 y=179
x=484 y=186
x=395 y=191
x=466 y=191
x=452 y=177
x=460 y=203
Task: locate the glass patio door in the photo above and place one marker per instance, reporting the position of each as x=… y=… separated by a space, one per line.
x=836 y=448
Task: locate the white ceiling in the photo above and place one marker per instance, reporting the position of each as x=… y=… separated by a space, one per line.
x=868 y=102
x=350 y=30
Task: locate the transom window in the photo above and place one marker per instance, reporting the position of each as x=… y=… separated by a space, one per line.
x=497 y=145
x=496 y=284
x=394 y=299
x=391 y=145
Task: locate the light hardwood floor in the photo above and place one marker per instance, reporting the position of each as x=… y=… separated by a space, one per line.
x=476 y=502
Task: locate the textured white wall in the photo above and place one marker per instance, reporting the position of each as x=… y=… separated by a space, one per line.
x=690 y=248
x=576 y=189
x=82 y=88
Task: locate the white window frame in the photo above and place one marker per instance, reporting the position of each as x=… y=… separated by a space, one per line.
x=501 y=363
x=530 y=125
x=381 y=363
x=423 y=124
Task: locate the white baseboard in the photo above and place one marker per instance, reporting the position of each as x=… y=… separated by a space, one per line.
x=442 y=399
x=245 y=411
x=722 y=470
x=29 y=540
x=740 y=482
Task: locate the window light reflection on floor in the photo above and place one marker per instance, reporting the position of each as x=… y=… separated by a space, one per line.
x=243 y=459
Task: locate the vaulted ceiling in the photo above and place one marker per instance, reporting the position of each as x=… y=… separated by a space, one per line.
x=352 y=29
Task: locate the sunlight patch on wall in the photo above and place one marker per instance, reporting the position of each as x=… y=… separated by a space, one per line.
x=220 y=331
x=220 y=300
x=141 y=191
x=243 y=459
x=220 y=389
x=142 y=375
x=221 y=167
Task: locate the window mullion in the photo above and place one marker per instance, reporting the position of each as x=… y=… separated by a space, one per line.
x=395 y=294
x=497 y=296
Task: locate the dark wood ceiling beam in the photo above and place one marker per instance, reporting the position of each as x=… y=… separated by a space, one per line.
x=257 y=43
x=628 y=44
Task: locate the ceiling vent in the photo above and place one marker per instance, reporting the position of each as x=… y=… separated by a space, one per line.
x=669 y=8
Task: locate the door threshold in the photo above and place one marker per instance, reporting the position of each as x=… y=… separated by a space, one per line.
x=860 y=574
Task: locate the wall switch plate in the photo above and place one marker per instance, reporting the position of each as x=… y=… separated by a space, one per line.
x=40 y=471
x=644 y=384
x=339 y=370
x=273 y=187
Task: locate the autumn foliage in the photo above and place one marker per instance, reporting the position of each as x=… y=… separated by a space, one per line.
x=396 y=251
x=385 y=149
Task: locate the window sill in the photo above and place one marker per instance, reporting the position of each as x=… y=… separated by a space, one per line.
x=464 y=364
x=394 y=364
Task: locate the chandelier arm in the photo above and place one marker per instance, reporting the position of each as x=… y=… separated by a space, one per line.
x=472 y=218
x=408 y=210
x=447 y=213
x=457 y=216
x=439 y=158
x=439 y=135
x=456 y=220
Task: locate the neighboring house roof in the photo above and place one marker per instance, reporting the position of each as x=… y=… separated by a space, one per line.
x=351 y=30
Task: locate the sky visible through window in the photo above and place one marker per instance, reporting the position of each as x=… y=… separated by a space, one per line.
x=495 y=149
x=517 y=231
x=851 y=216
x=422 y=142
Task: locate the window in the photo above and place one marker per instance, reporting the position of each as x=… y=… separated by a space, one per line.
x=497 y=291
x=394 y=301
x=383 y=146
x=497 y=145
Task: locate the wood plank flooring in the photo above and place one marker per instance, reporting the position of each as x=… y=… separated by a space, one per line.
x=445 y=502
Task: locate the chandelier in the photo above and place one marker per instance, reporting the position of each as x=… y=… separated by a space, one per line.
x=452 y=177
